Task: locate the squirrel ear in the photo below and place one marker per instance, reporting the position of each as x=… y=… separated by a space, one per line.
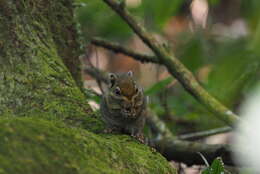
x=112 y=79
x=130 y=73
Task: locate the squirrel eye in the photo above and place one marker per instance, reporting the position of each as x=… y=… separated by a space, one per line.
x=112 y=79
x=130 y=73
x=117 y=91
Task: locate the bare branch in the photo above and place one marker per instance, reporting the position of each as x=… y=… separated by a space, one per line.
x=202 y=134
x=176 y=68
x=117 y=48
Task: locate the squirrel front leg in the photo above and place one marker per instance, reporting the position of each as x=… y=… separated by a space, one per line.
x=136 y=130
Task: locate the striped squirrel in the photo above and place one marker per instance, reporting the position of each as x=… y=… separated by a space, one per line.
x=123 y=106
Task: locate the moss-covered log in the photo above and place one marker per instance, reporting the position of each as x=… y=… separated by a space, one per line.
x=31 y=145
x=46 y=125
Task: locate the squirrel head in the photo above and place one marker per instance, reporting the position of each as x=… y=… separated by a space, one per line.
x=125 y=93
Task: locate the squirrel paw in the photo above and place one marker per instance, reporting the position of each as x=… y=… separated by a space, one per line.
x=140 y=138
x=111 y=130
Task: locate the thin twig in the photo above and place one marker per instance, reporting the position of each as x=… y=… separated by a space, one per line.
x=202 y=134
x=175 y=67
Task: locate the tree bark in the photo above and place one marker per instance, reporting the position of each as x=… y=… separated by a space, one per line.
x=46 y=125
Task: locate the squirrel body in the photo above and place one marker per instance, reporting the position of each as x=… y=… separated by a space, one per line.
x=123 y=106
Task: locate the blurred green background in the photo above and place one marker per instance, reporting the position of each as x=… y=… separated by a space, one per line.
x=223 y=51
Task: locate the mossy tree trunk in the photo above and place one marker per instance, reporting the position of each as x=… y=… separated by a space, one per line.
x=46 y=125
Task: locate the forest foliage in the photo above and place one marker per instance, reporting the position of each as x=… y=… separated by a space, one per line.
x=231 y=64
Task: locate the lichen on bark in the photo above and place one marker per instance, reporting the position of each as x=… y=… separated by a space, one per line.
x=46 y=125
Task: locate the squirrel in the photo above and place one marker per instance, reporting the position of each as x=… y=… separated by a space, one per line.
x=123 y=106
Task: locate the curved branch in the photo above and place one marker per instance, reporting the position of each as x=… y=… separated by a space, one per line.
x=176 y=68
x=187 y=152
x=175 y=149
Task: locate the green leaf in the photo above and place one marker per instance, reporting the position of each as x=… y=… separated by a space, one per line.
x=213 y=2
x=217 y=167
x=157 y=13
x=92 y=96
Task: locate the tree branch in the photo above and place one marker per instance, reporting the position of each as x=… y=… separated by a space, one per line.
x=175 y=149
x=117 y=48
x=175 y=67
x=202 y=134
x=187 y=152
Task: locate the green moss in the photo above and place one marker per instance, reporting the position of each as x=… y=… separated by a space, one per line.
x=30 y=145
x=33 y=78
